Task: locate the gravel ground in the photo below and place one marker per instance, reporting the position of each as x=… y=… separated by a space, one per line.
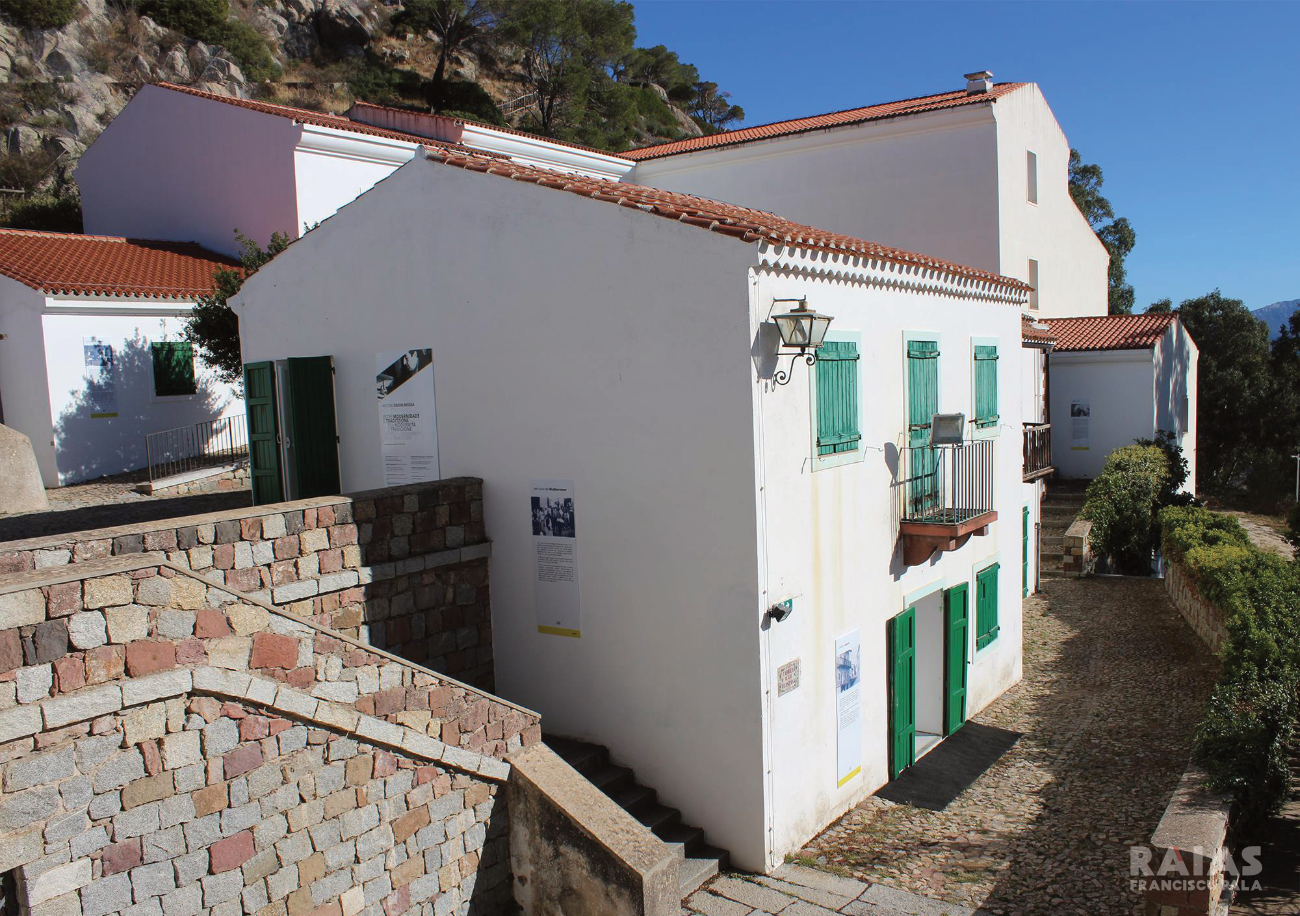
x=111 y=501
x=1113 y=686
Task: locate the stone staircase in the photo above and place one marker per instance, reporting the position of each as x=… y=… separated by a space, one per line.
x=699 y=861
x=1060 y=508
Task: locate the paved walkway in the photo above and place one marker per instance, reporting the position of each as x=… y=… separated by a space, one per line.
x=111 y=501
x=793 y=890
x=1114 y=682
x=1265 y=532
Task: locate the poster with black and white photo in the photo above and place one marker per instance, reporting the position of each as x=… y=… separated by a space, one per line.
x=101 y=378
x=848 y=706
x=1080 y=417
x=408 y=427
x=555 y=557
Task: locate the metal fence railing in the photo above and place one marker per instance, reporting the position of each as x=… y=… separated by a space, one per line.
x=189 y=448
x=947 y=484
x=1037 y=451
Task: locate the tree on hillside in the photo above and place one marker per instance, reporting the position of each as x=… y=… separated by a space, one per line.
x=570 y=49
x=457 y=23
x=711 y=109
x=1282 y=431
x=661 y=67
x=213 y=326
x=1116 y=234
x=1161 y=306
x=1234 y=390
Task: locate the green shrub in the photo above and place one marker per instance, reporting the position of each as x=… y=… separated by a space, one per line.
x=1121 y=504
x=465 y=99
x=1185 y=527
x=39 y=14
x=1171 y=494
x=46 y=213
x=1293 y=528
x=1244 y=744
x=209 y=21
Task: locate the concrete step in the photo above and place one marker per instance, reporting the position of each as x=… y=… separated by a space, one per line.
x=1052 y=540
x=699 y=861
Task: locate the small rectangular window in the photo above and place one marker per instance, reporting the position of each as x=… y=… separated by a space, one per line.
x=986 y=386
x=1032 y=168
x=837 y=397
x=1033 y=282
x=986 y=606
x=173 y=369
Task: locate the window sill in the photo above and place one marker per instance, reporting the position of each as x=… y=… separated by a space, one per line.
x=824 y=462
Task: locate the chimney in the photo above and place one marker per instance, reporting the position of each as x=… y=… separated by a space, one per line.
x=979 y=82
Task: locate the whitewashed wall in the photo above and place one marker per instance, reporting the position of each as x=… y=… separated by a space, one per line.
x=89 y=447
x=926 y=182
x=1176 y=360
x=24 y=385
x=175 y=166
x=829 y=536
x=1072 y=263
x=1120 y=386
x=611 y=348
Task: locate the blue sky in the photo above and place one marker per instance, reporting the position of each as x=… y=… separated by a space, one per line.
x=1191 y=109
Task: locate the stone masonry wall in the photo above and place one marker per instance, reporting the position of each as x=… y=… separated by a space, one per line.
x=1205 y=619
x=1076 y=559
x=171 y=748
x=219 y=481
x=401 y=569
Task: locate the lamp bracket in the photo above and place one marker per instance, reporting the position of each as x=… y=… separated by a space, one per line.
x=782 y=376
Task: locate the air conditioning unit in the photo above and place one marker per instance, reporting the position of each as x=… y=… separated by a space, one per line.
x=947 y=429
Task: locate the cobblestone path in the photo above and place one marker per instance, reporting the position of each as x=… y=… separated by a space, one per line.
x=1113 y=686
x=111 y=501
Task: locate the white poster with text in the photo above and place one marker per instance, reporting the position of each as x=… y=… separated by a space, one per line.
x=848 y=706
x=1080 y=418
x=555 y=558
x=408 y=427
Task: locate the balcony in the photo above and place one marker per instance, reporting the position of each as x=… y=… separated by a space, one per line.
x=947 y=494
x=1037 y=451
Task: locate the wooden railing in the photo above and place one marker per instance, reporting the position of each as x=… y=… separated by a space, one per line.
x=1037 y=450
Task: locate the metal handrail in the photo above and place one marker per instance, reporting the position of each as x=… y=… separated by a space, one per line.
x=947 y=485
x=202 y=445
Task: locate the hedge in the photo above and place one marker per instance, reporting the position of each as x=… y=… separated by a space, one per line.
x=1251 y=718
x=1121 y=501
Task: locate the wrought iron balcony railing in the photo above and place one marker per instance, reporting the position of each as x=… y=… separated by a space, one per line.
x=947 y=494
x=189 y=448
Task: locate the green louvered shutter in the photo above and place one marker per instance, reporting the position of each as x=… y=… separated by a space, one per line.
x=263 y=433
x=922 y=405
x=986 y=386
x=314 y=434
x=837 y=397
x=902 y=691
x=986 y=606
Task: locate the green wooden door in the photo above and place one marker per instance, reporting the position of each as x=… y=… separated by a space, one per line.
x=314 y=441
x=922 y=404
x=1024 y=553
x=956 y=613
x=902 y=692
x=263 y=433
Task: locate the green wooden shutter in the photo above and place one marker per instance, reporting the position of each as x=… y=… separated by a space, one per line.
x=837 y=397
x=902 y=691
x=986 y=386
x=1024 y=552
x=314 y=444
x=956 y=614
x=922 y=405
x=986 y=606
x=263 y=432
x=173 y=368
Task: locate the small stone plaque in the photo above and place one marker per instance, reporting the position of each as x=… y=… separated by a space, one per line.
x=787 y=677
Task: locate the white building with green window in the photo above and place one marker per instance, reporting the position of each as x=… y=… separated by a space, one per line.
x=92 y=358
x=778 y=594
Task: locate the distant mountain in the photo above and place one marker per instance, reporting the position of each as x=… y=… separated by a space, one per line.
x=1276 y=315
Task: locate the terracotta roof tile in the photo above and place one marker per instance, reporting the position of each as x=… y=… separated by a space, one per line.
x=1031 y=331
x=727 y=219
x=317 y=118
x=879 y=112
x=1109 y=332
x=99 y=265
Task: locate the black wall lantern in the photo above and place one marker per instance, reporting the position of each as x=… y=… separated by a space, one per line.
x=801 y=330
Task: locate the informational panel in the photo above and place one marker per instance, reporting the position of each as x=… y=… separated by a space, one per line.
x=848 y=706
x=555 y=558
x=1080 y=418
x=408 y=428
x=101 y=378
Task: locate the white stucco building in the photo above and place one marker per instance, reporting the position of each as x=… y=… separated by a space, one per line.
x=614 y=342
x=91 y=351
x=1118 y=378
